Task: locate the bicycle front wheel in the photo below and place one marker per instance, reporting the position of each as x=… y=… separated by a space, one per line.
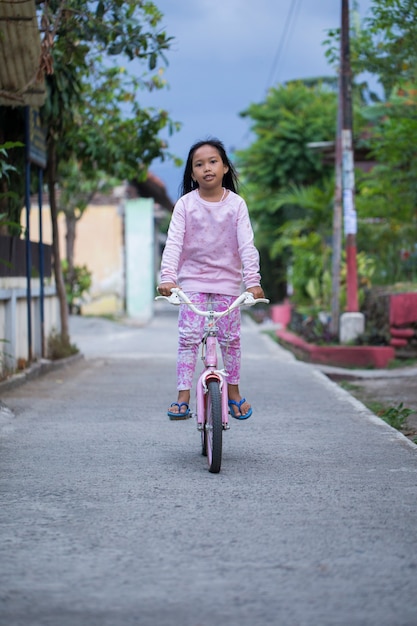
x=213 y=427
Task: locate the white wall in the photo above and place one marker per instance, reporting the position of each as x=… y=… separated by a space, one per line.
x=14 y=320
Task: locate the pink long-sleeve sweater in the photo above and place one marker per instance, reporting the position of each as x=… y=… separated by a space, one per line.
x=210 y=246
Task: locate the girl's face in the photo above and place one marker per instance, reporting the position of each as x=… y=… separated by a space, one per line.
x=208 y=168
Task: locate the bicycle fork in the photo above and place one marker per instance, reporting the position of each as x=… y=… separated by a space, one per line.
x=211 y=373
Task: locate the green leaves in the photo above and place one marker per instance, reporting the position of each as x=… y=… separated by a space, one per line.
x=92 y=111
x=396 y=416
x=387 y=198
x=279 y=163
x=291 y=116
x=153 y=60
x=100 y=10
x=387 y=46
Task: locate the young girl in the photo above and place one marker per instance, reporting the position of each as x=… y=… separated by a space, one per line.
x=209 y=251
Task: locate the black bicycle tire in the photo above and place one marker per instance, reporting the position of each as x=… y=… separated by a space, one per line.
x=214 y=420
x=204 y=435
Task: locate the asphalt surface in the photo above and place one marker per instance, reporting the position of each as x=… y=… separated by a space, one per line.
x=109 y=516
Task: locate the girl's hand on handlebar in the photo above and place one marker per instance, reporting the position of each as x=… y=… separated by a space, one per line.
x=257 y=292
x=165 y=288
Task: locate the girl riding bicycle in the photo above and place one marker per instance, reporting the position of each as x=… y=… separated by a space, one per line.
x=209 y=252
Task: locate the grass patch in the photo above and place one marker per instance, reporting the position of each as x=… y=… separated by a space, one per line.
x=395 y=363
x=395 y=416
x=60 y=347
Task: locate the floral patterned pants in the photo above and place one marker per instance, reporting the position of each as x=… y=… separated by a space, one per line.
x=191 y=330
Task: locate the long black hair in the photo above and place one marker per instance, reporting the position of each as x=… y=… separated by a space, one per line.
x=230 y=179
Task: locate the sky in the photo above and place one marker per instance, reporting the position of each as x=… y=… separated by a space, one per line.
x=224 y=57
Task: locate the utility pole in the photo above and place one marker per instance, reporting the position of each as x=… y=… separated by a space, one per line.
x=348 y=174
x=352 y=322
x=337 y=225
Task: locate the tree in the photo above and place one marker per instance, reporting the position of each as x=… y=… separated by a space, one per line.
x=386 y=47
x=108 y=142
x=387 y=195
x=86 y=112
x=75 y=194
x=92 y=113
x=305 y=242
x=291 y=117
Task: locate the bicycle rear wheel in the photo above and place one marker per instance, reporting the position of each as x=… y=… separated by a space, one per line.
x=213 y=427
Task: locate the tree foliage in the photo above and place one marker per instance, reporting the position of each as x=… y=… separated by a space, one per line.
x=387 y=196
x=93 y=116
x=93 y=101
x=7 y=223
x=282 y=175
x=291 y=117
x=305 y=242
x=387 y=43
x=95 y=122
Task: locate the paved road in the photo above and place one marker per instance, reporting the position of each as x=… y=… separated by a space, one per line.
x=109 y=516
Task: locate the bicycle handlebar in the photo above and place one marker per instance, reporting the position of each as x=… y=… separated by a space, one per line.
x=178 y=297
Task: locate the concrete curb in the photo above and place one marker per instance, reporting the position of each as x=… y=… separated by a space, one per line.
x=368 y=414
x=38 y=369
x=340 y=373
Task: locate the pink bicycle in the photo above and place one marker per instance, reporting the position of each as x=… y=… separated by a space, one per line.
x=211 y=392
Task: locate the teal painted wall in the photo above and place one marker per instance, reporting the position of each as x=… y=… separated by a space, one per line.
x=139 y=250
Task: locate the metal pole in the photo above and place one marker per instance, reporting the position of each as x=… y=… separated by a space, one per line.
x=337 y=224
x=41 y=266
x=28 y=250
x=348 y=175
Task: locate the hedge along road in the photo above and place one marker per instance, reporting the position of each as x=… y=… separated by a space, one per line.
x=110 y=517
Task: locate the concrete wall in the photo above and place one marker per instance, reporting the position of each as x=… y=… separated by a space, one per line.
x=116 y=243
x=14 y=348
x=98 y=245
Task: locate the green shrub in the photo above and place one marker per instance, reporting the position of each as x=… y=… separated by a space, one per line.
x=59 y=346
x=77 y=285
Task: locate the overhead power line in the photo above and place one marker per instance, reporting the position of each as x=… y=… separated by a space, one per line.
x=289 y=24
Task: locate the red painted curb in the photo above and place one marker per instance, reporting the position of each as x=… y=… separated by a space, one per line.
x=339 y=356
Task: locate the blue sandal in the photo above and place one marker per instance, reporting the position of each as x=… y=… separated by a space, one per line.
x=233 y=403
x=180 y=415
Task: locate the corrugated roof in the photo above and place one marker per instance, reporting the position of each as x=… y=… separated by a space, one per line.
x=20 y=53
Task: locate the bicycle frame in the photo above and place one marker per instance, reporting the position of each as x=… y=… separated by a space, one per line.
x=212 y=390
x=211 y=373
